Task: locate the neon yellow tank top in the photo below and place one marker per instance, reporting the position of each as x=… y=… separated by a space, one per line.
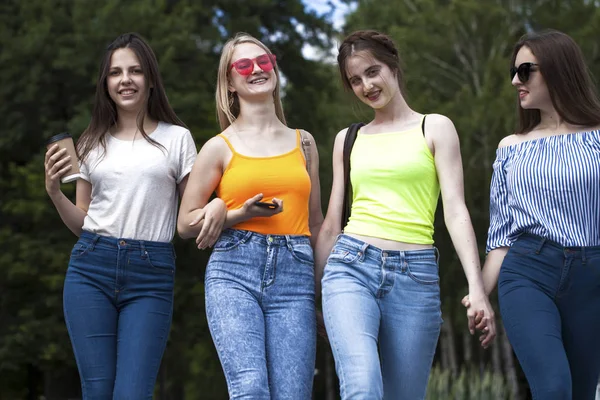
x=395 y=187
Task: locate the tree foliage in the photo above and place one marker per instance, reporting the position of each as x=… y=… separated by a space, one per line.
x=456 y=57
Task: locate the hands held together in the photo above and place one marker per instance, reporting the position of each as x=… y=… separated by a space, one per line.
x=481 y=317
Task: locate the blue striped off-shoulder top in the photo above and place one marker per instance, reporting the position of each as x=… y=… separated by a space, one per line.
x=548 y=187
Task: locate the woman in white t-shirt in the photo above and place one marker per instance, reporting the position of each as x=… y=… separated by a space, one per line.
x=135 y=158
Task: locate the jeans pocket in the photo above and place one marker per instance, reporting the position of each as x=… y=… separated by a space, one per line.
x=161 y=261
x=423 y=272
x=524 y=247
x=80 y=249
x=303 y=253
x=227 y=242
x=344 y=255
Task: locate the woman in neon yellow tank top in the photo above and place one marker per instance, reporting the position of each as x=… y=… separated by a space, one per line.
x=380 y=282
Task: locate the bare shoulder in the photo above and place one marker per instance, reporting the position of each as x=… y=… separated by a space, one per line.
x=341 y=135
x=340 y=138
x=509 y=141
x=227 y=132
x=440 y=130
x=439 y=123
x=215 y=145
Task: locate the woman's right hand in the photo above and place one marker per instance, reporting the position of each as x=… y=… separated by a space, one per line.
x=55 y=165
x=251 y=210
x=486 y=326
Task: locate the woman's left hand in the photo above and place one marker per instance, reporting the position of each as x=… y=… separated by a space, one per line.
x=481 y=317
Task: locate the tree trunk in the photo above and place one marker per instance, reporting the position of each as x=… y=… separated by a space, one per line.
x=467 y=348
x=445 y=358
x=496 y=356
x=453 y=359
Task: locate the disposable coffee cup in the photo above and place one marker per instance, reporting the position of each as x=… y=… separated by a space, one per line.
x=65 y=141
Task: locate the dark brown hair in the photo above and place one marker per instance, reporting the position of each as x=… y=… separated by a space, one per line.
x=379 y=45
x=570 y=84
x=104 y=112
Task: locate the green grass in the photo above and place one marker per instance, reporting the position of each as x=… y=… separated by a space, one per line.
x=470 y=384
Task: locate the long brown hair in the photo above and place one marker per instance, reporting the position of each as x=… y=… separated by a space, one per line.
x=379 y=45
x=104 y=112
x=228 y=104
x=570 y=84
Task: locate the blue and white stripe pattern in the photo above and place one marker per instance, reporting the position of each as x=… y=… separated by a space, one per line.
x=548 y=187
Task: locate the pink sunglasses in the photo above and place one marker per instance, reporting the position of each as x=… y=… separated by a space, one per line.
x=245 y=66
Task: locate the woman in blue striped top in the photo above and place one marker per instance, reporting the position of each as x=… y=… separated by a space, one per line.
x=544 y=235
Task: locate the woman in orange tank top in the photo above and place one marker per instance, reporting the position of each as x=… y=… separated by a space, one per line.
x=259 y=282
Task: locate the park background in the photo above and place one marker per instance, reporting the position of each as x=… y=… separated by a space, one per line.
x=456 y=55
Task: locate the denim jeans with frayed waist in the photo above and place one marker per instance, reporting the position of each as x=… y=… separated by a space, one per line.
x=383 y=318
x=118 y=303
x=260 y=305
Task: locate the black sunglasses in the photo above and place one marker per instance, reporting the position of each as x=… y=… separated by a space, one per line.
x=524 y=70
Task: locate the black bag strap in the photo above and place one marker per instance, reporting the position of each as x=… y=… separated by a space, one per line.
x=348 y=144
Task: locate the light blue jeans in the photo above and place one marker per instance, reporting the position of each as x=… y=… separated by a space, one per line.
x=383 y=318
x=260 y=305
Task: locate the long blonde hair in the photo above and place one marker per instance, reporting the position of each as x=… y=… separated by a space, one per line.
x=228 y=104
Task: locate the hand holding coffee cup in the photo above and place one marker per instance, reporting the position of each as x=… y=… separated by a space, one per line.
x=61 y=162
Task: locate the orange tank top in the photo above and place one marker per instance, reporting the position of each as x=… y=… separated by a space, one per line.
x=283 y=176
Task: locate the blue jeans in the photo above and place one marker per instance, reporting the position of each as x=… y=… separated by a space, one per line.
x=118 y=303
x=260 y=305
x=550 y=304
x=380 y=302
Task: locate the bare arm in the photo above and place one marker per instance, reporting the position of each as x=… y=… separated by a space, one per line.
x=440 y=130
x=197 y=188
x=56 y=165
x=249 y=210
x=315 y=219
x=331 y=226
x=491 y=268
x=442 y=133
x=500 y=220
x=491 y=271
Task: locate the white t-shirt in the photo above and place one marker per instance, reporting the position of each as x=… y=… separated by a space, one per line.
x=134 y=184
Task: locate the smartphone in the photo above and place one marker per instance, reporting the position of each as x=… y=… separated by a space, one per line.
x=263 y=204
